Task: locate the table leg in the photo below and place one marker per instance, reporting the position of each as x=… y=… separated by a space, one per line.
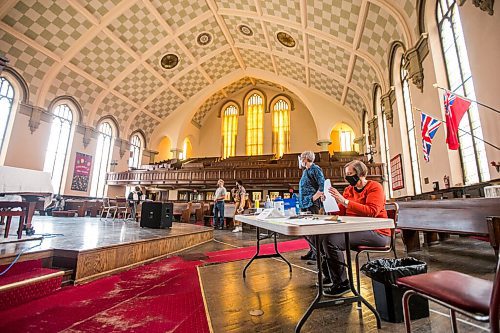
x=317 y=303
x=351 y=283
x=257 y=254
x=317 y=299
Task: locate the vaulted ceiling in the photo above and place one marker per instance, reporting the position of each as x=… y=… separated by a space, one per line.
x=106 y=54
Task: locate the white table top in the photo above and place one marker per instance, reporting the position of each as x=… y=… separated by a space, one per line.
x=348 y=224
x=24 y=181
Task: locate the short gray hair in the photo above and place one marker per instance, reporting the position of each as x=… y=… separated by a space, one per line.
x=308 y=155
x=358 y=166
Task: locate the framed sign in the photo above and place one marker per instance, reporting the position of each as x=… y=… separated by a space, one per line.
x=81 y=172
x=397 y=173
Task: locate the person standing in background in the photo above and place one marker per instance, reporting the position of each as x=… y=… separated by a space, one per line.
x=220 y=195
x=311 y=187
x=239 y=194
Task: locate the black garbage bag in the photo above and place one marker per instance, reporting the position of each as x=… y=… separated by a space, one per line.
x=387 y=271
x=388 y=296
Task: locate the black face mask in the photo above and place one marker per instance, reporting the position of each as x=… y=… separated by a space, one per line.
x=352 y=180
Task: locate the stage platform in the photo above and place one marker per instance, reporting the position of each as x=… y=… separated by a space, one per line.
x=93 y=248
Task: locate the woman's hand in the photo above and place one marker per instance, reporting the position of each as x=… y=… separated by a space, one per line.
x=317 y=195
x=338 y=197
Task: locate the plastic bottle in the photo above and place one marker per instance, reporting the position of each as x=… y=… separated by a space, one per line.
x=279 y=204
x=268 y=203
x=297 y=205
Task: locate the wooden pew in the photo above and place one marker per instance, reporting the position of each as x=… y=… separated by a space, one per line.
x=179 y=210
x=79 y=205
x=94 y=207
x=439 y=218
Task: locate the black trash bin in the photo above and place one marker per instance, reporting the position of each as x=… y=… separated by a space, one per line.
x=388 y=296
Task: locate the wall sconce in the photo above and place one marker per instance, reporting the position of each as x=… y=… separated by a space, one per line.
x=496 y=165
x=112 y=165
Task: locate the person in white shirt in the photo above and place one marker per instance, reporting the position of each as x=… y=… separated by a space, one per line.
x=220 y=195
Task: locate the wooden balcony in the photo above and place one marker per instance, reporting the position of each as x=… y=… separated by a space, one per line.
x=276 y=175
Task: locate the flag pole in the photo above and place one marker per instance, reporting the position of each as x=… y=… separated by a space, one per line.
x=489 y=144
x=435 y=85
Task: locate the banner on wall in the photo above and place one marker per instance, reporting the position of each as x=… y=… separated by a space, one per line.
x=81 y=172
x=397 y=173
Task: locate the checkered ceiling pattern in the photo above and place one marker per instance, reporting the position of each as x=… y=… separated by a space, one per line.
x=69 y=83
x=164 y=104
x=139 y=84
x=145 y=123
x=326 y=84
x=380 y=30
x=113 y=47
x=116 y=107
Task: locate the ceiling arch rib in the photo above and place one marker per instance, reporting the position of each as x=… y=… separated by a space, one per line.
x=79 y=44
x=311 y=31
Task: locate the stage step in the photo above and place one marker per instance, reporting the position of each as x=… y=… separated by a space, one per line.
x=27 y=281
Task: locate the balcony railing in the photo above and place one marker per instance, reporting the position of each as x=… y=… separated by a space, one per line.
x=207 y=177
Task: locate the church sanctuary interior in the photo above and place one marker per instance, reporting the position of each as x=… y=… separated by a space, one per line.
x=199 y=166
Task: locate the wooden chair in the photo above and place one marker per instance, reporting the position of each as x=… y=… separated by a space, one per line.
x=392 y=209
x=7 y=212
x=473 y=297
x=122 y=208
x=107 y=208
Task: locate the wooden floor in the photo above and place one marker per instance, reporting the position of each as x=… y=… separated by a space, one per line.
x=284 y=298
x=93 y=248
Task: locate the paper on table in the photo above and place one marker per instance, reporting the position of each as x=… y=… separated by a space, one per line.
x=330 y=203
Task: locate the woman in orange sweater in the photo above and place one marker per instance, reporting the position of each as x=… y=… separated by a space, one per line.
x=361 y=198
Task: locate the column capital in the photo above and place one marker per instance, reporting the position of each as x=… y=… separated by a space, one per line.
x=324 y=143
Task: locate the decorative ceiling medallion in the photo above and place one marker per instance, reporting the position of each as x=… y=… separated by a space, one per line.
x=204 y=39
x=245 y=30
x=286 y=39
x=169 y=61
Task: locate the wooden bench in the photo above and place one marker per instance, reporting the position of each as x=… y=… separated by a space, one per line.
x=64 y=213
x=79 y=205
x=439 y=218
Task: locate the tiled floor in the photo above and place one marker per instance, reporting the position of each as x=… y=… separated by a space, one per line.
x=283 y=298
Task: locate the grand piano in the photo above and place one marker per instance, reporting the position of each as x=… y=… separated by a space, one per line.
x=28 y=185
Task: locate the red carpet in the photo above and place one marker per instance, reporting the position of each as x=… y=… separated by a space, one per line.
x=22 y=271
x=161 y=297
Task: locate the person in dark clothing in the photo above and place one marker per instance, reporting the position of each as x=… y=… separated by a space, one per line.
x=56 y=206
x=310 y=191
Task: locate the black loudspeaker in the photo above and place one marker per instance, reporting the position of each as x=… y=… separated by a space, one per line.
x=157 y=215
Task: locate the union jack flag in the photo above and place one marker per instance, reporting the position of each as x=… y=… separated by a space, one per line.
x=429 y=128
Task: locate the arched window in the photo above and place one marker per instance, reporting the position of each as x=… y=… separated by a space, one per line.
x=472 y=151
x=102 y=159
x=136 y=147
x=410 y=126
x=281 y=127
x=57 y=148
x=229 y=130
x=255 y=129
x=187 y=149
x=342 y=137
x=6 y=103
